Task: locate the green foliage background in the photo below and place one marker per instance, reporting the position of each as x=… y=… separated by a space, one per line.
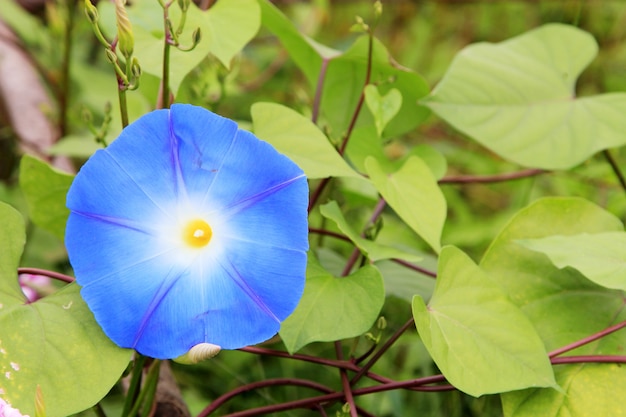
x=500 y=226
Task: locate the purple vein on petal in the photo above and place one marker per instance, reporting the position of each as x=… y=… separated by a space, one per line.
x=140 y=227
x=218 y=170
x=137 y=184
x=168 y=282
x=181 y=188
x=234 y=274
x=248 y=201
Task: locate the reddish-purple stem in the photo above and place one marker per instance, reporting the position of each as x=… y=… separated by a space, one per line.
x=357 y=111
x=217 y=403
x=384 y=348
x=416 y=268
x=474 y=179
x=46 y=273
x=588 y=359
x=378 y=210
x=345 y=382
x=417 y=384
x=317 y=101
x=344 y=143
x=588 y=339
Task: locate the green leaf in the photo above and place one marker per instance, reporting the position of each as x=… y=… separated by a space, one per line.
x=600 y=257
x=232 y=24
x=413 y=193
x=383 y=108
x=345 y=81
x=481 y=341
x=563 y=305
x=54 y=343
x=45 y=189
x=11 y=247
x=226 y=29
x=592 y=390
x=305 y=52
x=334 y=308
x=404 y=283
x=374 y=251
x=75 y=146
x=517 y=99
x=299 y=139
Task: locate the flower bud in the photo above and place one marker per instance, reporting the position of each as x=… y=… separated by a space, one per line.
x=135 y=69
x=91 y=11
x=111 y=56
x=125 y=39
x=184 y=5
x=378 y=8
x=195 y=37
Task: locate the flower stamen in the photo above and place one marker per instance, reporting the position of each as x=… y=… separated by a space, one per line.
x=197 y=233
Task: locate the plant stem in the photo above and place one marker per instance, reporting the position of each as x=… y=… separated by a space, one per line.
x=615 y=168
x=218 y=402
x=98 y=410
x=357 y=111
x=345 y=382
x=378 y=210
x=135 y=382
x=46 y=273
x=121 y=94
x=64 y=92
x=381 y=351
x=146 y=395
x=344 y=143
x=588 y=339
x=416 y=268
x=472 y=179
x=589 y=359
x=317 y=101
x=165 y=76
x=311 y=402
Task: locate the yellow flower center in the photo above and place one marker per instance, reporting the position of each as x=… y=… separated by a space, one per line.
x=197 y=233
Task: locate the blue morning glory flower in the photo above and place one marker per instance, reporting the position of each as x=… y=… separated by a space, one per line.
x=187 y=230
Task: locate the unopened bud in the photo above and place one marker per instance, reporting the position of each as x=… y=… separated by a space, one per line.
x=381 y=324
x=184 y=5
x=86 y=115
x=92 y=12
x=378 y=8
x=135 y=69
x=125 y=39
x=195 y=37
x=111 y=56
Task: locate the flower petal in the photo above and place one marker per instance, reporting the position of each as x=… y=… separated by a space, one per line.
x=137 y=164
x=130 y=204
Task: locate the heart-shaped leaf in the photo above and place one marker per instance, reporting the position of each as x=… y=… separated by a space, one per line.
x=564 y=307
x=480 y=340
x=413 y=193
x=517 y=99
x=53 y=343
x=225 y=29
x=45 y=189
x=334 y=308
x=600 y=257
x=383 y=108
x=299 y=138
x=375 y=251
